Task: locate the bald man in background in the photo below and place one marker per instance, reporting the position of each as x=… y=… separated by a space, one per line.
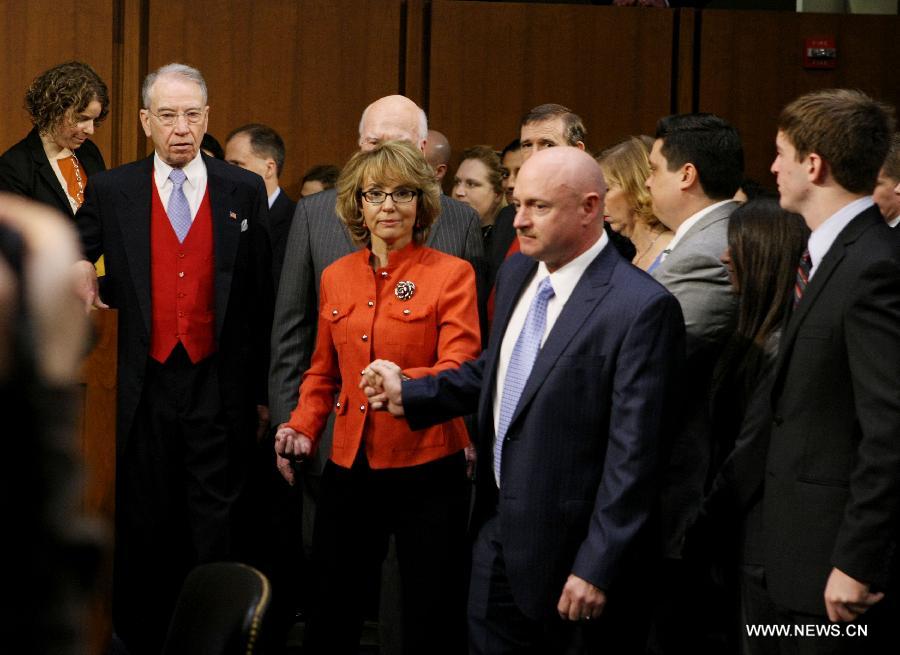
x=437 y=153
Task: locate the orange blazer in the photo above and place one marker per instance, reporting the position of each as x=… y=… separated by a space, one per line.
x=362 y=317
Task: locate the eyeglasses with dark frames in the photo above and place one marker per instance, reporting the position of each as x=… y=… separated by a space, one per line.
x=399 y=196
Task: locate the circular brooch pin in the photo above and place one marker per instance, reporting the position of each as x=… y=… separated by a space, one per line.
x=404 y=289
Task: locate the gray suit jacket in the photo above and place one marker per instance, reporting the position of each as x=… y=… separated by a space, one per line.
x=317 y=238
x=694 y=274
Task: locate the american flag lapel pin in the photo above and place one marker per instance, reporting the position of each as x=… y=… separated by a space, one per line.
x=232 y=216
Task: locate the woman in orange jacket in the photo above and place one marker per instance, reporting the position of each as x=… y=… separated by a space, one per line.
x=399 y=300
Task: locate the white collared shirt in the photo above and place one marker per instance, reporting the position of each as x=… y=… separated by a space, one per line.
x=822 y=238
x=194 y=186
x=563 y=281
x=893 y=222
x=274 y=196
x=691 y=222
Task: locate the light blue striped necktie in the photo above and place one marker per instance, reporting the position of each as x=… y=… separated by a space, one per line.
x=520 y=363
x=179 y=210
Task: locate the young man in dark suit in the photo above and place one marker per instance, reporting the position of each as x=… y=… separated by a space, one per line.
x=572 y=395
x=188 y=269
x=831 y=489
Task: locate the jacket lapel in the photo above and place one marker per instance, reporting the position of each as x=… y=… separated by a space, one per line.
x=517 y=274
x=45 y=168
x=135 y=226
x=226 y=223
x=825 y=270
x=588 y=293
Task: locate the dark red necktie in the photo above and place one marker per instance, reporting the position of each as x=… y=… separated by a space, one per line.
x=802 y=276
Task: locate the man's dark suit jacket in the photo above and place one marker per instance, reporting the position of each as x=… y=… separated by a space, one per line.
x=579 y=470
x=280 y=214
x=832 y=478
x=115 y=221
x=25 y=169
x=316 y=239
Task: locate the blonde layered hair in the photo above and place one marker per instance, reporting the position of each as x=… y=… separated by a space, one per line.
x=627 y=165
x=391 y=163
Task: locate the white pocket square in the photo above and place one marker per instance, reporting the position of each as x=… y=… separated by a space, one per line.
x=244 y=225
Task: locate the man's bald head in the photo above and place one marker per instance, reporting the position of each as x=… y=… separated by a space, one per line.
x=559 y=200
x=566 y=167
x=393 y=118
x=437 y=153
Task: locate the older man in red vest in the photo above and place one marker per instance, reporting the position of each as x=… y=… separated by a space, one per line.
x=187 y=254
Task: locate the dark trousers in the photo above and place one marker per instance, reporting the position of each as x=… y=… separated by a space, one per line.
x=176 y=486
x=497 y=625
x=270 y=538
x=425 y=508
x=873 y=633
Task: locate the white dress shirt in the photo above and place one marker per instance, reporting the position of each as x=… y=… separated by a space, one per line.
x=563 y=281
x=274 y=196
x=194 y=186
x=823 y=237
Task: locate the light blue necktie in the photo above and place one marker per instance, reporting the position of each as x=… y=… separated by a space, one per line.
x=660 y=258
x=179 y=210
x=520 y=363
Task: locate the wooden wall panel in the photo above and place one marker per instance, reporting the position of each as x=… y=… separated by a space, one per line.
x=306 y=68
x=39 y=34
x=492 y=62
x=97 y=441
x=750 y=67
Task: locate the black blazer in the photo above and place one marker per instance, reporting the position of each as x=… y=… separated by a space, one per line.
x=25 y=169
x=115 y=221
x=280 y=215
x=832 y=477
x=580 y=457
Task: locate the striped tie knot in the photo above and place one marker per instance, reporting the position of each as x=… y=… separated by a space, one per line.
x=803 y=269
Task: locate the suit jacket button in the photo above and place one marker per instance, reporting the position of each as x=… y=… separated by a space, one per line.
x=406 y=312
x=365 y=337
x=362 y=408
x=371 y=304
x=337 y=405
x=334 y=312
x=384 y=274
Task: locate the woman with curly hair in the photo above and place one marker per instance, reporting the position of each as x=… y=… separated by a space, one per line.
x=66 y=104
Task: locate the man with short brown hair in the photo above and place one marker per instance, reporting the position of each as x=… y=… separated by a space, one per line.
x=830 y=491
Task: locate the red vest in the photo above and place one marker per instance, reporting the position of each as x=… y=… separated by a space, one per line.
x=182 y=290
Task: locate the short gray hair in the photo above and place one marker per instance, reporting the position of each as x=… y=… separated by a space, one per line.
x=183 y=70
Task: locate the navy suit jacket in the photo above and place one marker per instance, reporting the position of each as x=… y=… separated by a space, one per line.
x=115 y=221
x=579 y=471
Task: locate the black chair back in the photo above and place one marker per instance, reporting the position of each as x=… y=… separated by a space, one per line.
x=219 y=612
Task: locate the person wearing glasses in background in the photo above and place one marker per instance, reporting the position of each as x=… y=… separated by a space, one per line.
x=396 y=299
x=66 y=104
x=185 y=241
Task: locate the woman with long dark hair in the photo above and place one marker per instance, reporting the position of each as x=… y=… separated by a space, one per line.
x=765 y=242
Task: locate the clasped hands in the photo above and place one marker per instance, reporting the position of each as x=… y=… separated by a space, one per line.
x=381 y=382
